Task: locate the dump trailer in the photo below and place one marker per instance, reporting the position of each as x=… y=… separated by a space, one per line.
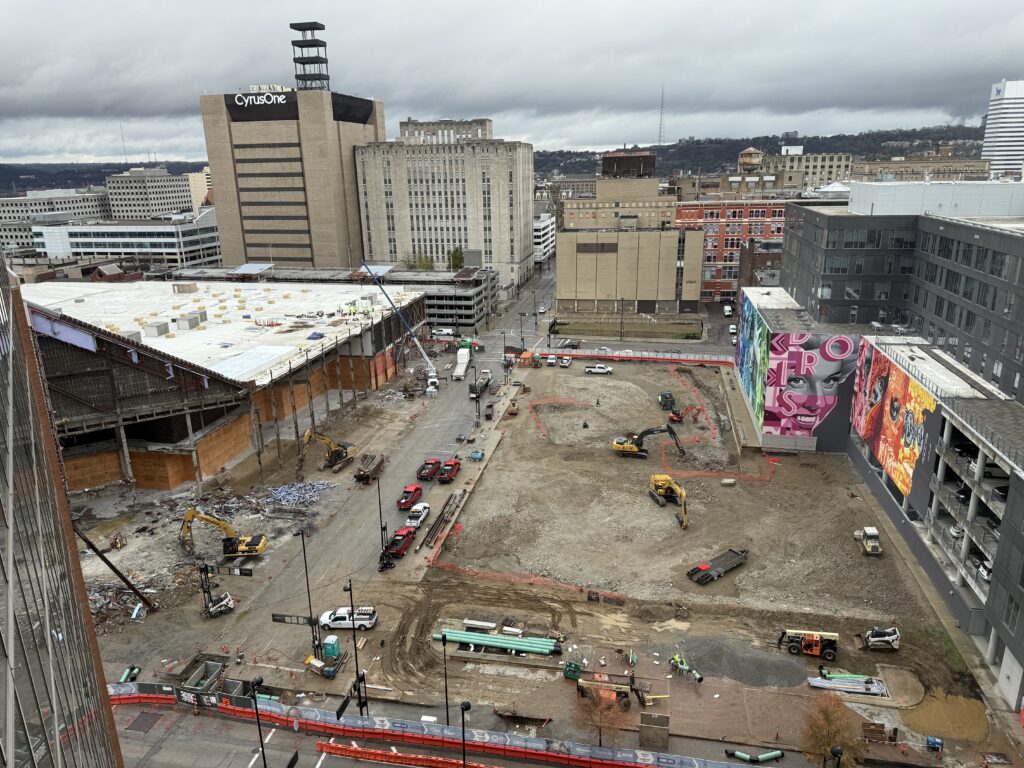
x=718 y=566
x=462 y=358
x=370 y=466
x=479 y=387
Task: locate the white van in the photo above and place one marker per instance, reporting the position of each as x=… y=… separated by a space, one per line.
x=443 y=333
x=552 y=360
x=727 y=310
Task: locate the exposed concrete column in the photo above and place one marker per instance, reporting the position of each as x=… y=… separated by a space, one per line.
x=272 y=391
x=940 y=471
x=972 y=508
x=965 y=547
x=993 y=646
x=194 y=452
x=906 y=504
x=126 y=459
x=947 y=432
x=979 y=473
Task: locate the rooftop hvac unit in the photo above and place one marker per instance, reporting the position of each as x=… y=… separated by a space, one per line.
x=187 y=322
x=157 y=329
x=133 y=335
x=185 y=288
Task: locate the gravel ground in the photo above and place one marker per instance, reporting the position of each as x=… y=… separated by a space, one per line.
x=563 y=505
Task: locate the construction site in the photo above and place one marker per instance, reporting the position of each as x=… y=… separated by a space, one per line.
x=553 y=535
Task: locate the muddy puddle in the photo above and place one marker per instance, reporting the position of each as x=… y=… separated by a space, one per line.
x=949 y=717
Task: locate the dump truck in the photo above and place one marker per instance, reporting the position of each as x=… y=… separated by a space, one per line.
x=370 y=467
x=462 y=359
x=810 y=642
x=869 y=541
x=479 y=387
x=718 y=566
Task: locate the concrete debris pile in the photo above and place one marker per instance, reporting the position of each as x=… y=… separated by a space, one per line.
x=392 y=396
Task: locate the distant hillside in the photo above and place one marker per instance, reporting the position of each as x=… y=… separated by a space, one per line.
x=17 y=178
x=716 y=155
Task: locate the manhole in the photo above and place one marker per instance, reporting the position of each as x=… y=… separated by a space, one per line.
x=144 y=722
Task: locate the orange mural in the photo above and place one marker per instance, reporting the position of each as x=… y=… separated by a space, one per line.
x=889 y=410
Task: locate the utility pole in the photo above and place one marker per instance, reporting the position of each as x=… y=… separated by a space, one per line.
x=522 y=336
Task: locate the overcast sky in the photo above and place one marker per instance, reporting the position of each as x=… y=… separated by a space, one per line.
x=558 y=73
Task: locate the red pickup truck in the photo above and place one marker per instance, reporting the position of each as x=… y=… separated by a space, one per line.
x=428 y=469
x=410 y=496
x=449 y=471
x=401 y=541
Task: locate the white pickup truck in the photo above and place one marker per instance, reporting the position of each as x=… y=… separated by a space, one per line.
x=599 y=368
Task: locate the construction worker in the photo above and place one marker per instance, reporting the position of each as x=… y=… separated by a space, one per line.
x=677 y=661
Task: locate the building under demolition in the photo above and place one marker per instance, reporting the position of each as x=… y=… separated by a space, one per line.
x=163 y=383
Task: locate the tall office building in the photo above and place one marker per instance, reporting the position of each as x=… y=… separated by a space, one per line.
x=447 y=185
x=144 y=193
x=53 y=700
x=1004 y=128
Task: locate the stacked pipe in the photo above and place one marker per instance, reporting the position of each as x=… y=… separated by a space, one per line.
x=542 y=645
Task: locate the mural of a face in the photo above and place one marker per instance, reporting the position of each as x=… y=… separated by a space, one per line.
x=803 y=384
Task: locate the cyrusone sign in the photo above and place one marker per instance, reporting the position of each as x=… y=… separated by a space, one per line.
x=247 y=107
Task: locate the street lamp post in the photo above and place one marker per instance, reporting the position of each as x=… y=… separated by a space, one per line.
x=464 y=707
x=522 y=336
x=360 y=684
x=256 y=683
x=313 y=626
x=380 y=516
x=444 y=653
x=536 y=321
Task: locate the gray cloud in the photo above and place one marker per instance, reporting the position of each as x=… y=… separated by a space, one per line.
x=565 y=74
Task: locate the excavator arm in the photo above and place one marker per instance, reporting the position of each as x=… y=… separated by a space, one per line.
x=193 y=514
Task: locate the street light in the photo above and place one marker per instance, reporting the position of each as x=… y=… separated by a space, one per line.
x=465 y=707
x=444 y=653
x=256 y=683
x=522 y=336
x=380 y=516
x=360 y=684
x=313 y=626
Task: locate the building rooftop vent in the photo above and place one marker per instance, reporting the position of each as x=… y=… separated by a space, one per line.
x=309 y=53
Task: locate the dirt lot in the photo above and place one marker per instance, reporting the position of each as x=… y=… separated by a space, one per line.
x=557 y=501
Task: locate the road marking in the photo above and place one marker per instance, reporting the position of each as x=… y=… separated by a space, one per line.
x=321 y=760
x=272 y=732
x=254 y=757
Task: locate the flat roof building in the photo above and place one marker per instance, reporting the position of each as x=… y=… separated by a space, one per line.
x=145 y=193
x=284 y=178
x=168 y=242
x=204 y=373
x=439 y=188
x=942 y=260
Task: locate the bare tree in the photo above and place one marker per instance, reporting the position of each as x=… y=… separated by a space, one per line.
x=601 y=710
x=830 y=723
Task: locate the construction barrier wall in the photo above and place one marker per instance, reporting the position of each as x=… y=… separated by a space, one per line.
x=433 y=735
x=93 y=470
x=219 y=447
x=161 y=471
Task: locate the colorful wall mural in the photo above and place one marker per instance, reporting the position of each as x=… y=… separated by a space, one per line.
x=889 y=412
x=808 y=387
x=752 y=358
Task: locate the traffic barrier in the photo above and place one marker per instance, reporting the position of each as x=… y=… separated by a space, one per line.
x=433 y=735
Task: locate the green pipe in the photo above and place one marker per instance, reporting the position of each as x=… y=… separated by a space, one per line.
x=130 y=670
x=475 y=637
x=528 y=645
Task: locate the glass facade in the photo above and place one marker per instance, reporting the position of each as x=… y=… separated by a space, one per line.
x=53 y=705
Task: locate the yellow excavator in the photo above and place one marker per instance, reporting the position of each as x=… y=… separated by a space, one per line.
x=234 y=545
x=633 y=444
x=663 y=489
x=337 y=456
